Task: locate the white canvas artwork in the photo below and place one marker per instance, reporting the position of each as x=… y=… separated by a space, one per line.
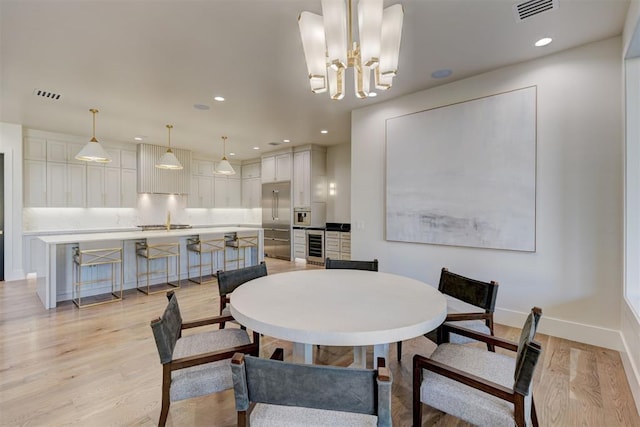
x=464 y=174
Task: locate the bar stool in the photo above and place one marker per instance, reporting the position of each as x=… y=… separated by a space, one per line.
x=245 y=240
x=157 y=248
x=205 y=244
x=93 y=254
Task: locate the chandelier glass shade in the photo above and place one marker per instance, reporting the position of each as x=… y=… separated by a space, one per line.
x=329 y=47
x=168 y=160
x=93 y=151
x=223 y=167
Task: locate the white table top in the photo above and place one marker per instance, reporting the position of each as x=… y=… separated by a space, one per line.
x=338 y=307
x=139 y=234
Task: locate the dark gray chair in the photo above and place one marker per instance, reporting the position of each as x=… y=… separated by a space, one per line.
x=196 y=364
x=310 y=394
x=481 y=295
x=228 y=281
x=351 y=265
x=479 y=386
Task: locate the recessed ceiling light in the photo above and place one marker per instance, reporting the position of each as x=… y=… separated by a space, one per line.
x=256 y=148
x=200 y=107
x=324 y=131
x=232 y=154
x=441 y=74
x=543 y=42
x=372 y=95
x=139 y=137
x=218 y=98
x=286 y=140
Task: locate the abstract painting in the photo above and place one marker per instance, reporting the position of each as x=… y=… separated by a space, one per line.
x=464 y=174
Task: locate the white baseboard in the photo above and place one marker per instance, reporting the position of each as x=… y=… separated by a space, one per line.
x=631 y=371
x=588 y=334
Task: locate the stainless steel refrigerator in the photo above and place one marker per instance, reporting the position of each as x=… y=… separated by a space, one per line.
x=276 y=219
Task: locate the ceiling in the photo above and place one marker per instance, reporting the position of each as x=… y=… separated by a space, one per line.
x=146 y=63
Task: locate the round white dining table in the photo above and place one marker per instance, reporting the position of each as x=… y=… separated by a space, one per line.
x=339 y=308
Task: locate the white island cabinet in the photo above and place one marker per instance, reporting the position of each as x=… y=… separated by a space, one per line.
x=55 y=264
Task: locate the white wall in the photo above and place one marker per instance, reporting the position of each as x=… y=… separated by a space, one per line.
x=575 y=273
x=11 y=146
x=339 y=173
x=630 y=312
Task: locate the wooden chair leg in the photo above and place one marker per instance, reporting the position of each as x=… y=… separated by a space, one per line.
x=399 y=350
x=242 y=418
x=417 y=404
x=518 y=411
x=166 y=387
x=534 y=414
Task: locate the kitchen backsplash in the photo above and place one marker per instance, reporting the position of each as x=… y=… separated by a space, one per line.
x=152 y=209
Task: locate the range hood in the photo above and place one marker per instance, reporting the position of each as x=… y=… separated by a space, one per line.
x=162 y=181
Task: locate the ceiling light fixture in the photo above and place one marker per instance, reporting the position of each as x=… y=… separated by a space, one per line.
x=543 y=42
x=329 y=47
x=218 y=98
x=168 y=159
x=224 y=167
x=324 y=131
x=93 y=151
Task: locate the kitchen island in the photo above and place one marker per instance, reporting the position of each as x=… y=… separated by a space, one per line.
x=54 y=255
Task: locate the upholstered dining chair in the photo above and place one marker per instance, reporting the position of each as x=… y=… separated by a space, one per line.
x=481 y=387
x=228 y=281
x=289 y=394
x=195 y=364
x=351 y=264
x=470 y=303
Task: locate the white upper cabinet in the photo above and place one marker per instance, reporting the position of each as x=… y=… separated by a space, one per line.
x=35 y=148
x=66 y=185
x=302 y=179
x=276 y=168
x=35 y=183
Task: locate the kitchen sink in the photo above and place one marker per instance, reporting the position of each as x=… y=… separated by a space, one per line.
x=163 y=227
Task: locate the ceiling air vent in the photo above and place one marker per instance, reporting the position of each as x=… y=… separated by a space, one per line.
x=531 y=8
x=46 y=94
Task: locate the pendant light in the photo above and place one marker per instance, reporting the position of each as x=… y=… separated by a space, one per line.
x=224 y=167
x=168 y=159
x=93 y=151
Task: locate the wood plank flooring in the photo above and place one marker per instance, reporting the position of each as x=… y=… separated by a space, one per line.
x=99 y=367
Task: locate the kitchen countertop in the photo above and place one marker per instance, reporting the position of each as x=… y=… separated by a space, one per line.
x=126 y=229
x=138 y=234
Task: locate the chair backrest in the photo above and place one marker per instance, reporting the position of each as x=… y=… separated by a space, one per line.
x=100 y=252
x=167 y=329
x=471 y=291
x=159 y=247
x=528 y=353
x=275 y=382
x=247 y=239
x=228 y=281
x=351 y=264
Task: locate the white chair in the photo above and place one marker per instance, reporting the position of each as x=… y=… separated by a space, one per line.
x=93 y=254
x=157 y=249
x=210 y=244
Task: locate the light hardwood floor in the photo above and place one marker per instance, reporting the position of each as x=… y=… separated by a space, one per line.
x=99 y=367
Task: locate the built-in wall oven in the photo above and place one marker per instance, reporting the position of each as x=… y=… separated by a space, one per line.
x=315 y=246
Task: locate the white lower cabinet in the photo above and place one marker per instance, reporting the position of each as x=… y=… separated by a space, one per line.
x=338 y=245
x=300 y=243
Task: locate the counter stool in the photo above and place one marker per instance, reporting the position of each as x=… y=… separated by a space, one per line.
x=93 y=254
x=205 y=244
x=245 y=240
x=157 y=248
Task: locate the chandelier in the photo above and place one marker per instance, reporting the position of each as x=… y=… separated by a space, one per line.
x=329 y=48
